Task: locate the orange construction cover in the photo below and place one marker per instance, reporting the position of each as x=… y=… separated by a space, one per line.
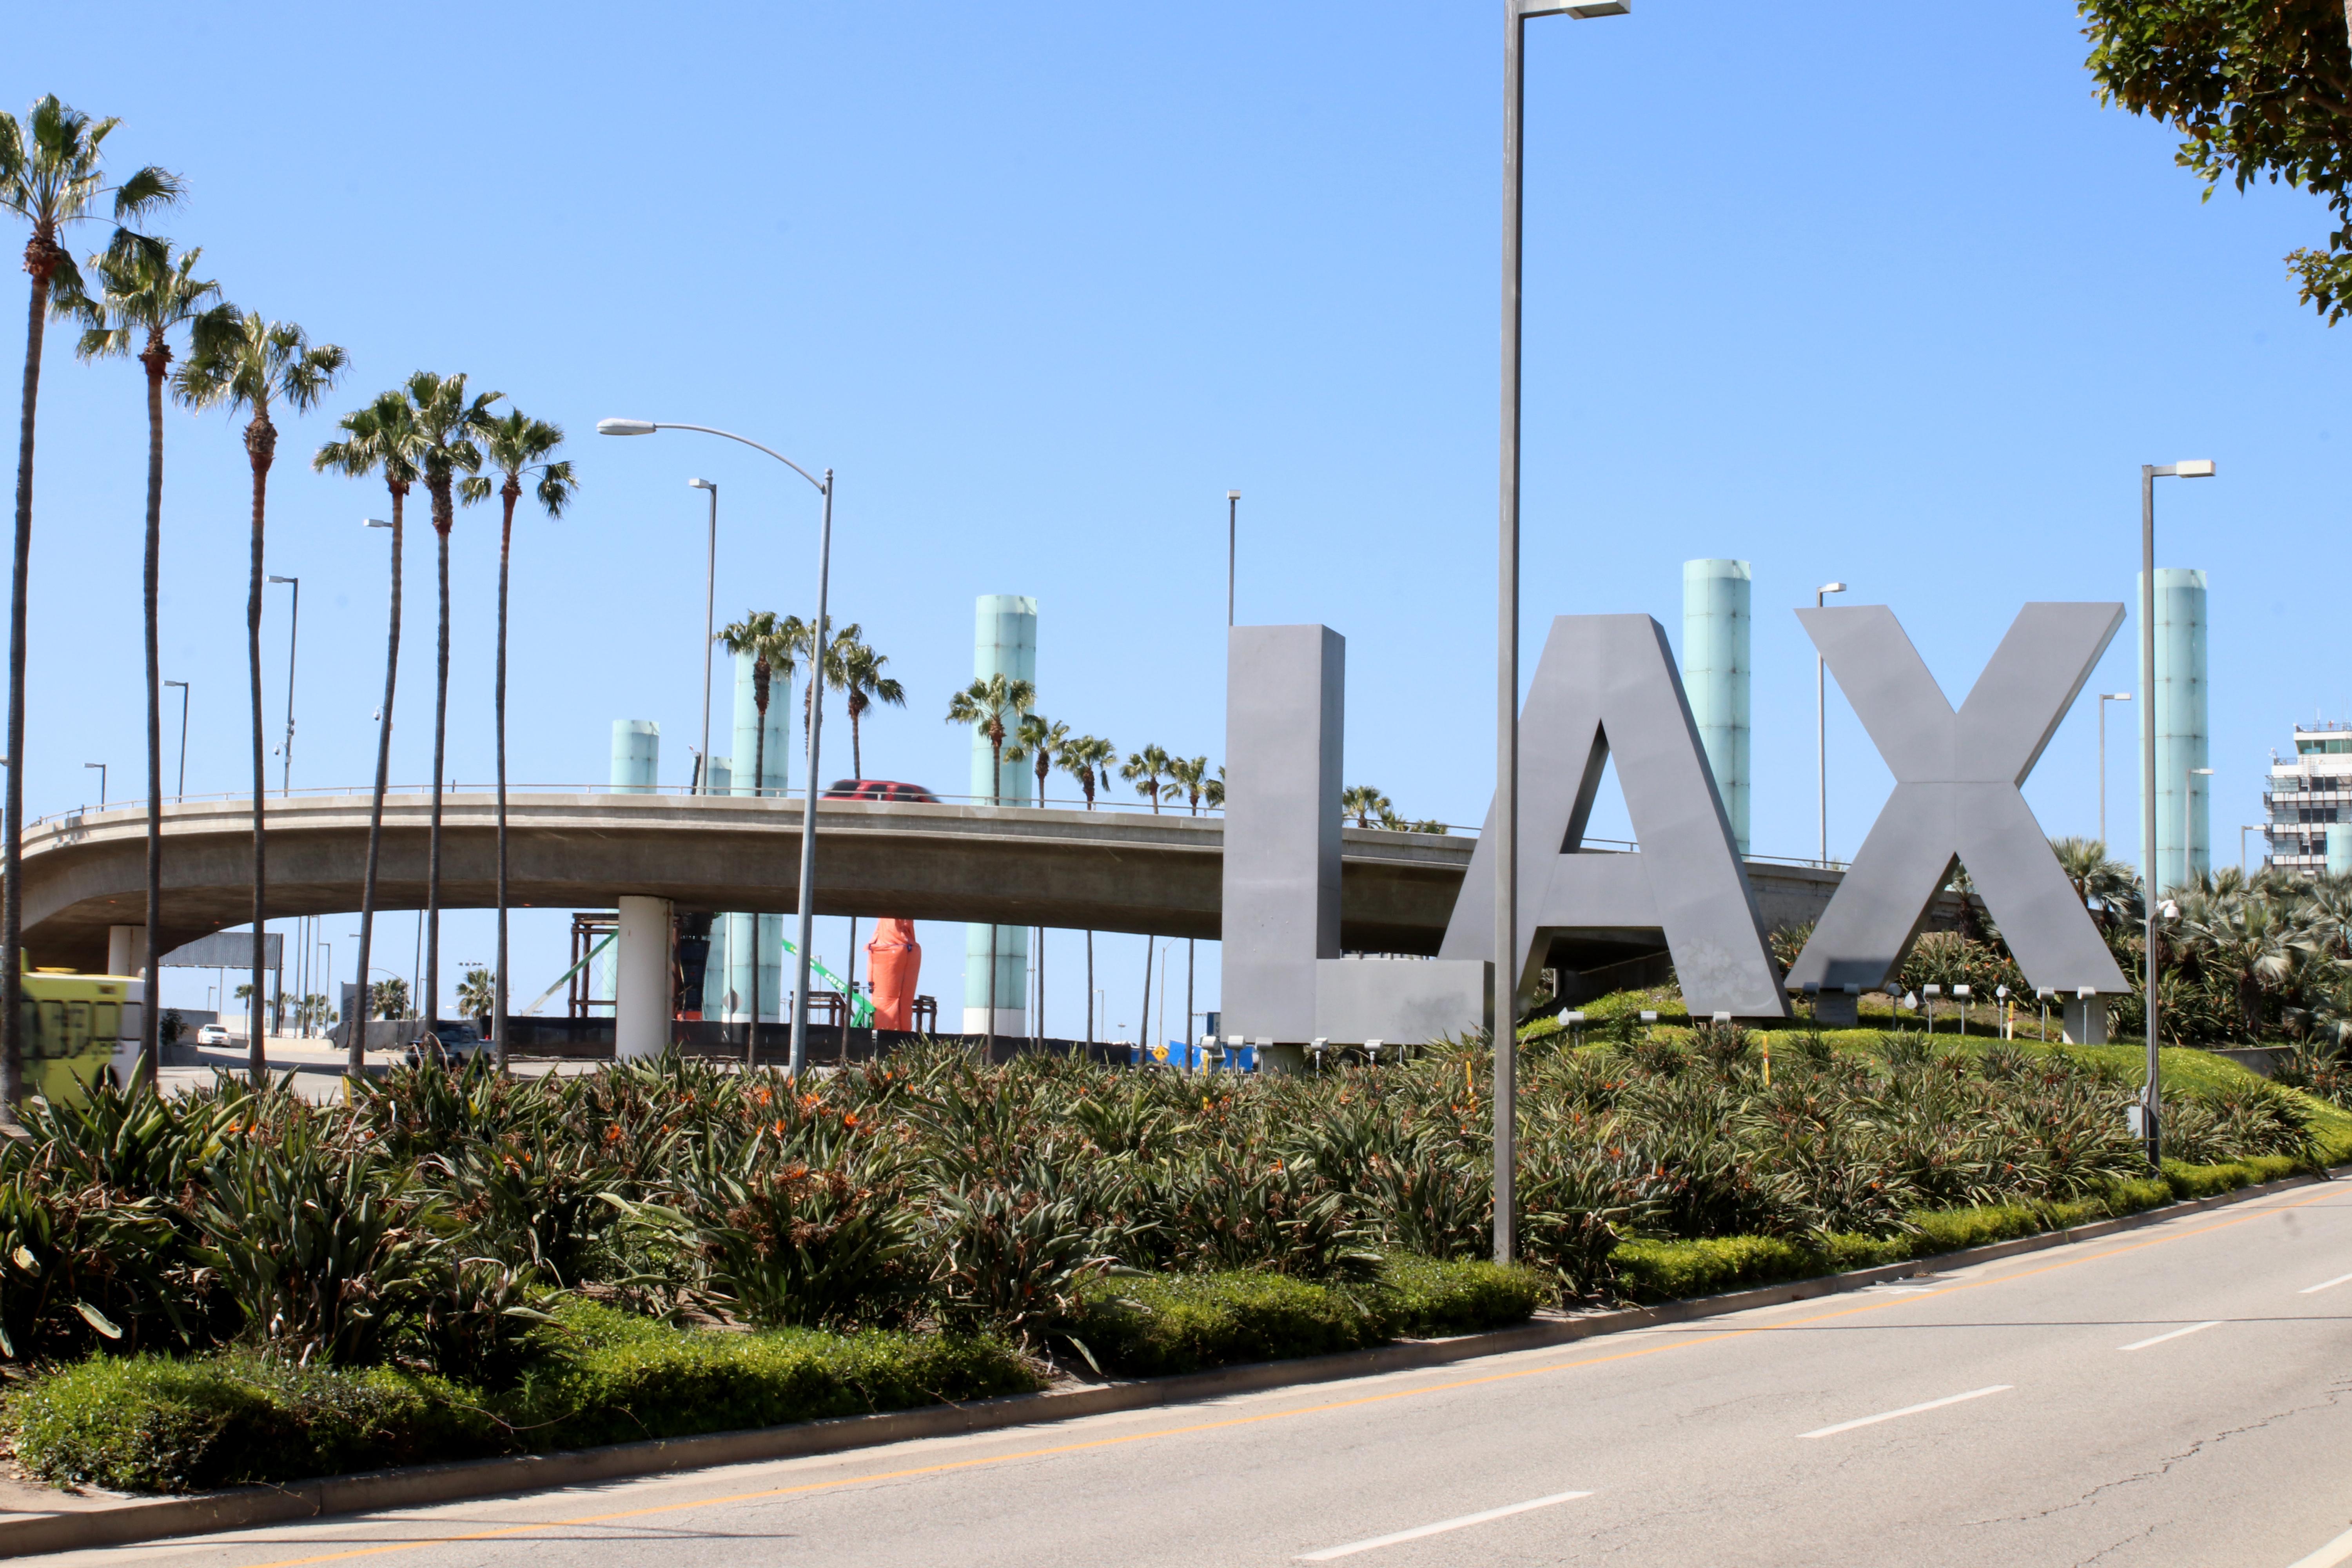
x=895 y=965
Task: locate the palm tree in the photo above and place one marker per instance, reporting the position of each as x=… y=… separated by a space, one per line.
x=388 y=999
x=447 y=424
x=862 y=679
x=1363 y=803
x=987 y=704
x=1145 y=768
x=1088 y=759
x=832 y=666
x=478 y=995
x=381 y=437
x=51 y=176
x=2248 y=941
x=2100 y=883
x=1040 y=741
x=772 y=645
x=516 y=446
x=144 y=294
x=241 y=362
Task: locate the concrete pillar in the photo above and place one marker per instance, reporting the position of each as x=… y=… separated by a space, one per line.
x=1004 y=642
x=641 y=1016
x=126 y=949
x=2084 y=1020
x=1715 y=622
x=2183 y=842
x=1838 y=1007
x=637 y=769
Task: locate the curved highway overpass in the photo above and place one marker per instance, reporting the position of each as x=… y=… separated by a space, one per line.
x=1104 y=870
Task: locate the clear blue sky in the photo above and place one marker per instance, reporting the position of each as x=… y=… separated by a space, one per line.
x=1852 y=290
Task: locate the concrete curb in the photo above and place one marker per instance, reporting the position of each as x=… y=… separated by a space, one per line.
x=119 y=1522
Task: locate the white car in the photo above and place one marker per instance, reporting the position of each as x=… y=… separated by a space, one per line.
x=212 y=1035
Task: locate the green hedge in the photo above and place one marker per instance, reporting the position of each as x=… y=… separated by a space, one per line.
x=1163 y=1324
x=149 y=1424
x=635 y=1379
x=1651 y=1269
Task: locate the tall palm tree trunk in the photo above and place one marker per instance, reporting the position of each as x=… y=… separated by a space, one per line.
x=42 y=254
x=996 y=798
x=355 y=1049
x=499 y=976
x=432 y=1008
x=260 y=446
x=151 y=1015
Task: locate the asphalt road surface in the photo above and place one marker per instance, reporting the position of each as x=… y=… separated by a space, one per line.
x=2174 y=1396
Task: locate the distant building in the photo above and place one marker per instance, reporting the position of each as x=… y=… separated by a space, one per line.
x=2309 y=802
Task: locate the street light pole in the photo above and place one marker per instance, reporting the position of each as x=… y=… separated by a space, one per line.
x=1507 y=614
x=2106 y=697
x=1822 y=722
x=1232 y=504
x=184 y=733
x=709 y=607
x=816 y=710
x=293 y=630
x=101 y=783
x=2152 y=1102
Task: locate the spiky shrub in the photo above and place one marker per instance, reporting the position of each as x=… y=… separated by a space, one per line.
x=321 y=1244
x=85 y=1268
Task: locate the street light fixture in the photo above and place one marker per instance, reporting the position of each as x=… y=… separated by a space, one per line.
x=293 y=630
x=1822 y=722
x=709 y=607
x=2152 y=1105
x=101 y=783
x=1507 y=613
x=816 y=710
x=183 y=734
x=2106 y=697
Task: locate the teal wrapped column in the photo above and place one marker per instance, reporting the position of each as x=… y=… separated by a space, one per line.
x=2184 y=821
x=762 y=935
x=636 y=755
x=1004 y=642
x=1716 y=621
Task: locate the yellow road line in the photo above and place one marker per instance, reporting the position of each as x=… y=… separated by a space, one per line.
x=1325 y=1407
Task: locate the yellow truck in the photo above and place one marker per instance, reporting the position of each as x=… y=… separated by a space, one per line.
x=77 y=1028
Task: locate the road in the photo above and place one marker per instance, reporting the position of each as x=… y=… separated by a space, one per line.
x=2173 y=1395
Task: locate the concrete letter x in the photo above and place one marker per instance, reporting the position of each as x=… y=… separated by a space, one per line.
x=1956 y=778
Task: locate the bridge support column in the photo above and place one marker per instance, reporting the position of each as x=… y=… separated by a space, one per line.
x=641 y=999
x=126 y=949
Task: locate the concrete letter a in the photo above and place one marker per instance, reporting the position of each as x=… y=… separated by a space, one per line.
x=1607 y=684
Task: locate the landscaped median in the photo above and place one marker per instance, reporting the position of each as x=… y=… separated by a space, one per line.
x=237 y=1287
x=594 y=1374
